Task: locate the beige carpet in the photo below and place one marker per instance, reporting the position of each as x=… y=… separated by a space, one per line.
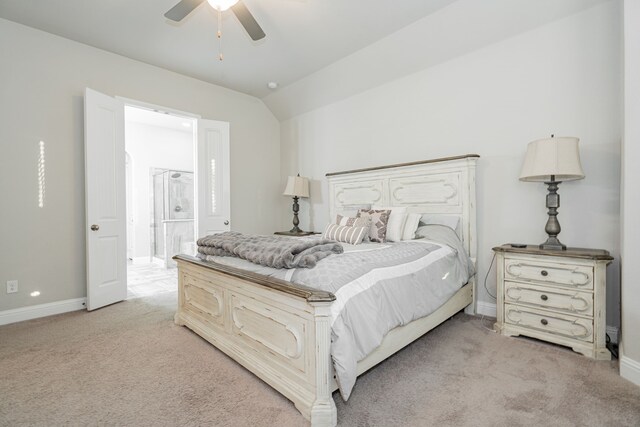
x=129 y=365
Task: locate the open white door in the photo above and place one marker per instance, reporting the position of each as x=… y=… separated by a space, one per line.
x=105 y=199
x=212 y=177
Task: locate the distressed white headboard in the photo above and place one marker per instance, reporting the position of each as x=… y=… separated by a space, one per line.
x=440 y=187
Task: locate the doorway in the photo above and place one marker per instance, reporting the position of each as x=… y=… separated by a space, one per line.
x=160 y=197
x=105 y=189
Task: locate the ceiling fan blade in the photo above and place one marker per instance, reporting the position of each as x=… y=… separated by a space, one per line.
x=182 y=9
x=248 y=21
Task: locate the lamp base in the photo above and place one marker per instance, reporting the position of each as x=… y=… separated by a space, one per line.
x=553 y=226
x=296 y=221
x=553 y=244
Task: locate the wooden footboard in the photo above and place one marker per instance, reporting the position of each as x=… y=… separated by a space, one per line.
x=279 y=332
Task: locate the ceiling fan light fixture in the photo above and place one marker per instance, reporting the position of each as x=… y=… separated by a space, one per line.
x=222 y=5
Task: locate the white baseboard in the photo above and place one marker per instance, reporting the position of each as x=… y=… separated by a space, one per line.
x=41 y=310
x=630 y=369
x=486 y=309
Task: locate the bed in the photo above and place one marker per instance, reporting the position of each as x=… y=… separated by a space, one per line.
x=281 y=331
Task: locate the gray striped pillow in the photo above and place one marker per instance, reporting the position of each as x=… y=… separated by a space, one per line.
x=345 y=233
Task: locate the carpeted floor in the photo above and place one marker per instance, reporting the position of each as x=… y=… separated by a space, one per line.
x=129 y=365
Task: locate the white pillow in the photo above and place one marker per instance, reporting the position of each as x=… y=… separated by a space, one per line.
x=451 y=221
x=410 y=226
x=395 y=226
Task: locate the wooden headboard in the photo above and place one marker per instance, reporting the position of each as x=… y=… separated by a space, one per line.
x=438 y=187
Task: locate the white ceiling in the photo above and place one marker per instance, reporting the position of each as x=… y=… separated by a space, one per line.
x=303 y=36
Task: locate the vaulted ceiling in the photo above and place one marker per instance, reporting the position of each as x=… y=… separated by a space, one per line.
x=318 y=51
x=302 y=35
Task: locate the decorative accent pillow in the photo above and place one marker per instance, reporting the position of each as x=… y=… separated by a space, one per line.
x=379 y=219
x=395 y=226
x=353 y=221
x=410 y=226
x=345 y=233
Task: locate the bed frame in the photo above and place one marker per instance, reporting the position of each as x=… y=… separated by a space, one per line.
x=282 y=332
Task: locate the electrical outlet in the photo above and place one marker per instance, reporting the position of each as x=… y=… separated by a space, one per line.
x=12 y=286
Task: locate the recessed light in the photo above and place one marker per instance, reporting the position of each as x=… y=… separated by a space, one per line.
x=35 y=293
x=272 y=85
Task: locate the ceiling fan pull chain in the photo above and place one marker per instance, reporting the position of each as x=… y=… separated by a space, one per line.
x=220 y=56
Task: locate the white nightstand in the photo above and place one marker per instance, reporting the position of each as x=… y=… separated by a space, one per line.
x=555 y=296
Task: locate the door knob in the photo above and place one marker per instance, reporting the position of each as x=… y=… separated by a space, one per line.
x=226 y=222
x=95 y=227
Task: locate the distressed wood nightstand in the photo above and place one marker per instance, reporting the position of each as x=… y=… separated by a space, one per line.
x=556 y=296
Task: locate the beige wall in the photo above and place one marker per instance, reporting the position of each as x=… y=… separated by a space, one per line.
x=42 y=79
x=562 y=78
x=630 y=345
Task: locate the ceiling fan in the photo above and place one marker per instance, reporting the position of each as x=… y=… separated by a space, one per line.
x=178 y=12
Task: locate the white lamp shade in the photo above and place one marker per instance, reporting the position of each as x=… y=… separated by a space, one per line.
x=297 y=186
x=552 y=156
x=222 y=5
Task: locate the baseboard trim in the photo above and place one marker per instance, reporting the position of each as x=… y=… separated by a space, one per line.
x=630 y=369
x=41 y=310
x=486 y=309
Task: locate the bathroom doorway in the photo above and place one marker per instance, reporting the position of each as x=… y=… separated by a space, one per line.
x=105 y=187
x=160 y=197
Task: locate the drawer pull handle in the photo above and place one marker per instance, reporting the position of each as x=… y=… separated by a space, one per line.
x=544 y=322
x=544 y=273
x=544 y=297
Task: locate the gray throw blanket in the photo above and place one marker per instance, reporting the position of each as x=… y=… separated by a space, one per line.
x=270 y=251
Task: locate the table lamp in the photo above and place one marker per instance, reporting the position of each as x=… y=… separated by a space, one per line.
x=297 y=186
x=552 y=160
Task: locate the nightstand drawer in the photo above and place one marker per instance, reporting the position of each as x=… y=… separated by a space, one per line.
x=552 y=323
x=571 y=276
x=568 y=301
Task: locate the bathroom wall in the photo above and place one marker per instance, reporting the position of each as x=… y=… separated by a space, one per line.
x=151 y=147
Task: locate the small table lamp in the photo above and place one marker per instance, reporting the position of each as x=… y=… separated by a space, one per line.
x=297 y=186
x=552 y=160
